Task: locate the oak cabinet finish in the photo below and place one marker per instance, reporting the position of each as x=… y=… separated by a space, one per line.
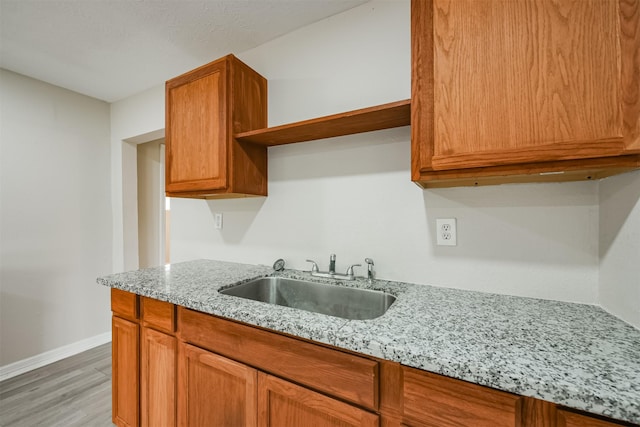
x=216 y=372
x=340 y=374
x=437 y=401
x=281 y=403
x=204 y=109
x=215 y=391
x=503 y=91
x=125 y=383
x=157 y=378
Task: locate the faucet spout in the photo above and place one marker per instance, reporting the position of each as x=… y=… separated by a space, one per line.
x=332 y=264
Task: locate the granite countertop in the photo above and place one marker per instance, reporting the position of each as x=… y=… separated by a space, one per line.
x=572 y=354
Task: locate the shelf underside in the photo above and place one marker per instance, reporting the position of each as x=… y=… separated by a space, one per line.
x=386 y=116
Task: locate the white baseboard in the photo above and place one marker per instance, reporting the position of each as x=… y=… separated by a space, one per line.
x=43 y=359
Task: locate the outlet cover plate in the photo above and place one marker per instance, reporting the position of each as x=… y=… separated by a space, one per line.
x=446 y=233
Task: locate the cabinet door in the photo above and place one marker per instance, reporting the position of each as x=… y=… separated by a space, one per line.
x=125 y=363
x=157 y=378
x=214 y=391
x=499 y=83
x=437 y=401
x=281 y=404
x=196 y=130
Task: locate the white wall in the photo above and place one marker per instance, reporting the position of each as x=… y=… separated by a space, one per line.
x=134 y=120
x=619 y=290
x=151 y=203
x=55 y=221
x=353 y=195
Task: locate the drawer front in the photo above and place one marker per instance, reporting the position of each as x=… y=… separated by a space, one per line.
x=124 y=304
x=571 y=419
x=158 y=314
x=434 y=400
x=336 y=373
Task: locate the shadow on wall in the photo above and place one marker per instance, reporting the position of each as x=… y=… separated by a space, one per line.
x=242 y=213
x=530 y=223
x=623 y=193
x=360 y=154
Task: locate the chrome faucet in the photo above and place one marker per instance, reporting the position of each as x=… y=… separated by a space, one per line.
x=331 y=274
x=370 y=273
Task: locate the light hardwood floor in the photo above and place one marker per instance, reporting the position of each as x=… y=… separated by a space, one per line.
x=73 y=392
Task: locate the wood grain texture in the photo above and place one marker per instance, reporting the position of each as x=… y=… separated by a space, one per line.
x=517 y=75
x=158 y=314
x=422 y=113
x=204 y=107
x=567 y=170
x=629 y=11
x=196 y=131
x=157 y=379
x=386 y=116
x=124 y=304
x=214 y=391
x=281 y=403
x=340 y=374
x=536 y=413
x=571 y=419
x=500 y=83
x=125 y=383
x=248 y=112
x=434 y=400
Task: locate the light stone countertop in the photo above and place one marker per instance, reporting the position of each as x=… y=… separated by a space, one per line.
x=575 y=355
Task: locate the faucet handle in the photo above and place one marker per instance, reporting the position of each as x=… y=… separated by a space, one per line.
x=369 y=261
x=314 y=266
x=350 y=269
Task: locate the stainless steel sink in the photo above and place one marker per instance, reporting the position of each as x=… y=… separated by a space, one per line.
x=339 y=301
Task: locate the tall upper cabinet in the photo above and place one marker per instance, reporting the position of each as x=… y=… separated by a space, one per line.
x=205 y=108
x=523 y=91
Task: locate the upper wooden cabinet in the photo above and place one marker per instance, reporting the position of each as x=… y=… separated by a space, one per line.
x=516 y=91
x=204 y=109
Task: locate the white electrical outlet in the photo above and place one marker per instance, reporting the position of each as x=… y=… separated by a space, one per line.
x=217 y=218
x=446 y=234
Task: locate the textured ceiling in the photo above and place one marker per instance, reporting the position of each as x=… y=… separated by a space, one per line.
x=111 y=49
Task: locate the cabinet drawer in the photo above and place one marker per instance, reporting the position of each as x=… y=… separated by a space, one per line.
x=571 y=419
x=336 y=373
x=124 y=304
x=158 y=314
x=434 y=400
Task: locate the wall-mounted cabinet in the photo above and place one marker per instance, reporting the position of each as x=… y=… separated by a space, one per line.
x=523 y=91
x=204 y=109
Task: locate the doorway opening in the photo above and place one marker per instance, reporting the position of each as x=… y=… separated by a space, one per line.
x=153 y=206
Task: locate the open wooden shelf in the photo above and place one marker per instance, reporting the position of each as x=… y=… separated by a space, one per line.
x=386 y=116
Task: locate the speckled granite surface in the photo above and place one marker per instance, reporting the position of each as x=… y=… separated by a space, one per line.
x=571 y=354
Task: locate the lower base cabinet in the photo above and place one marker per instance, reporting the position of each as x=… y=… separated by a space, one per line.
x=157 y=378
x=174 y=366
x=281 y=403
x=214 y=390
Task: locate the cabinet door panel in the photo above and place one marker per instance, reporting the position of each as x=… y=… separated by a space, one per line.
x=512 y=77
x=214 y=391
x=281 y=403
x=125 y=370
x=433 y=400
x=158 y=378
x=196 y=131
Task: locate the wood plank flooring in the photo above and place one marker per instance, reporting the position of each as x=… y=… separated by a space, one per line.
x=73 y=392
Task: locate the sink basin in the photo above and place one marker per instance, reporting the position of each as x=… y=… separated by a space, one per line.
x=339 y=301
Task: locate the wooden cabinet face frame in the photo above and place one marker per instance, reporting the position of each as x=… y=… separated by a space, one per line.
x=478 y=113
x=197 y=130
